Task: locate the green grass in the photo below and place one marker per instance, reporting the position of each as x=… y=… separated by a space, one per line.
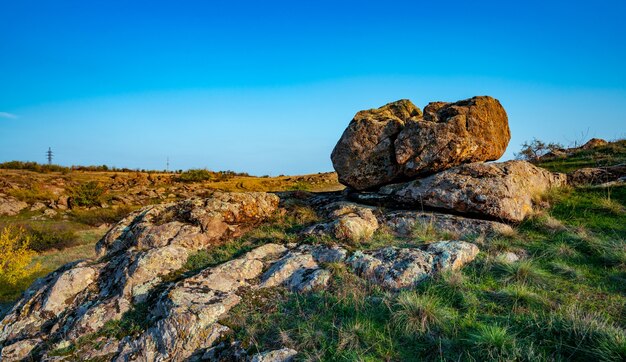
x=612 y=154
x=565 y=300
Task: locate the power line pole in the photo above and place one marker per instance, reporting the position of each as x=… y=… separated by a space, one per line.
x=167 y=165
x=49 y=154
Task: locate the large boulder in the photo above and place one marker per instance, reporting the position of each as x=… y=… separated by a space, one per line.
x=498 y=191
x=396 y=141
x=364 y=156
x=451 y=134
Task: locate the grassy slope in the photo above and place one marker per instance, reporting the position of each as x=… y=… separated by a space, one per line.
x=565 y=301
x=611 y=154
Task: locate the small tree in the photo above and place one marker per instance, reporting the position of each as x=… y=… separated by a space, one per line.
x=15 y=255
x=534 y=150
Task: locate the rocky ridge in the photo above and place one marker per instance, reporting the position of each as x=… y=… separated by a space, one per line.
x=139 y=254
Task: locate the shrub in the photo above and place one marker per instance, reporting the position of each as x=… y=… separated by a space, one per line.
x=195 y=175
x=47 y=237
x=33 y=166
x=535 y=149
x=88 y=194
x=15 y=256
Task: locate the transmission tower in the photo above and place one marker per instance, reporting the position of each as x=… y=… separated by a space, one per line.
x=49 y=155
x=167 y=166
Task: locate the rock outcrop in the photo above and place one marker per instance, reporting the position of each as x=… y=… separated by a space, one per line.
x=10 y=206
x=347 y=221
x=136 y=255
x=405 y=222
x=396 y=268
x=596 y=175
x=396 y=141
x=497 y=191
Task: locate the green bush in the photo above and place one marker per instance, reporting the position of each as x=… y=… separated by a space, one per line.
x=88 y=194
x=195 y=175
x=46 y=237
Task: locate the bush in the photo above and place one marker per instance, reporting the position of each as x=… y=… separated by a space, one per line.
x=32 y=166
x=35 y=193
x=43 y=238
x=88 y=194
x=15 y=256
x=195 y=175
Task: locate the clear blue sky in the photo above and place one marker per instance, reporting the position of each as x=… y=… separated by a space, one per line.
x=267 y=87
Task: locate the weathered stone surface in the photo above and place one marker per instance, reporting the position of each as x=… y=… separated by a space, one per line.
x=451 y=134
x=596 y=175
x=348 y=221
x=404 y=222
x=192 y=223
x=394 y=142
x=396 y=268
x=186 y=315
x=364 y=156
x=10 y=206
x=45 y=301
x=19 y=350
x=500 y=191
x=507 y=257
x=299 y=270
x=279 y=355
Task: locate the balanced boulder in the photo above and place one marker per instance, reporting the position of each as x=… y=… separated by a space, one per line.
x=396 y=142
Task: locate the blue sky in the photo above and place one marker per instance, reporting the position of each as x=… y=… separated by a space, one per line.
x=268 y=87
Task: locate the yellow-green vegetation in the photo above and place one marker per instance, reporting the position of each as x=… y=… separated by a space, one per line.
x=88 y=194
x=52 y=243
x=607 y=155
x=15 y=256
x=565 y=300
x=36 y=192
x=17 y=267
